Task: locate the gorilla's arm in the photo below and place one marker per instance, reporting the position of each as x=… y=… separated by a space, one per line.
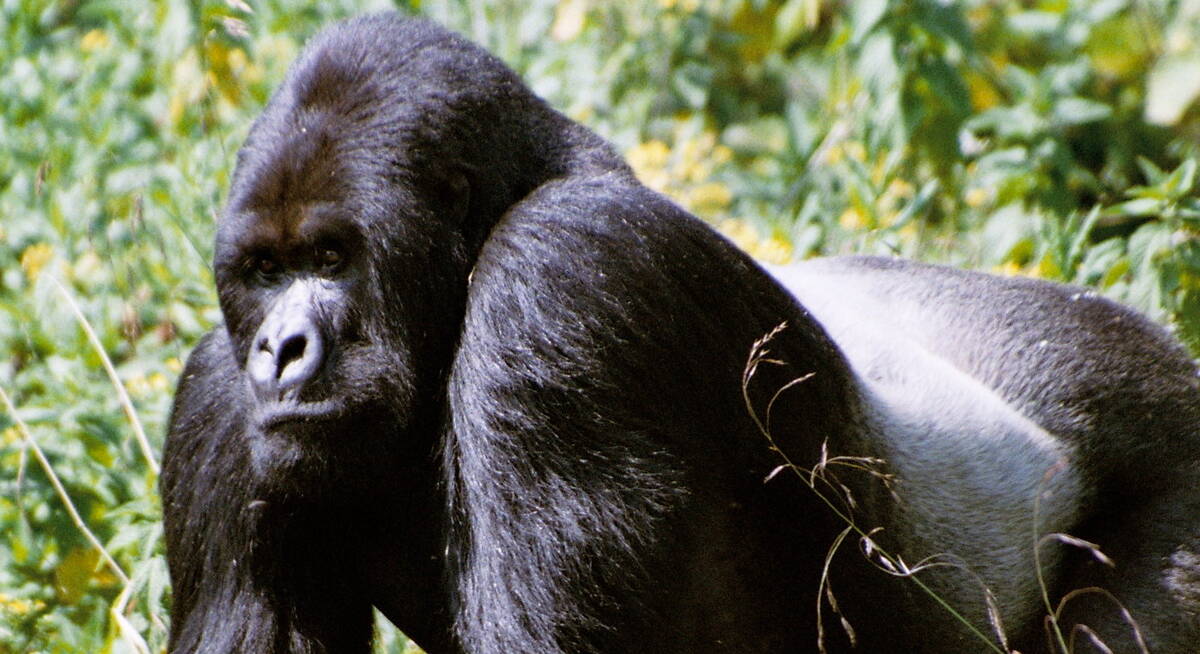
x=239 y=584
x=605 y=476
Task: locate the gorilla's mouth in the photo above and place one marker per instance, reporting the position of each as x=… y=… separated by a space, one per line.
x=273 y=416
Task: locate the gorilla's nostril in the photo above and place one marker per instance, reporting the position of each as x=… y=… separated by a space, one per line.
x=298 y=358
x=292 y=350
x=264 y=345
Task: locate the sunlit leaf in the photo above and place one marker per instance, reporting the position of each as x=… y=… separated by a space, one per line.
x=1153 y=173
x=865 y=15
x=73 y=573
x=1138 y=207
x=1077 y=111
x=1181 y=180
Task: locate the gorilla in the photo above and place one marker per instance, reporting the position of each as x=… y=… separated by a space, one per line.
x=474 y=374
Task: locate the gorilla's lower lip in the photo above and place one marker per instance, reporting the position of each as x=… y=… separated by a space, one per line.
x=278 y=414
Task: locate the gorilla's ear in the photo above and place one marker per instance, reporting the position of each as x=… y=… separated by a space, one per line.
x=454 y=193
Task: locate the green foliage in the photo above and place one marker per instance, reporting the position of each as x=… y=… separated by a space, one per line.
x=1049 y=138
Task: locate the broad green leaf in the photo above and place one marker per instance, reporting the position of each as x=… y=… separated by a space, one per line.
x=73 y=573
x=918 y=204
x=1039 y=24
x=864 y=16
x=692 y=82
x=1181 y=180
x=1138 y=207
x=1173 y=87
x=1008 y=233
x=946 y=20
x=1153 y=173
x=1101 y=265
x=795 y=18
x=1077 y=111
x=1147 y=244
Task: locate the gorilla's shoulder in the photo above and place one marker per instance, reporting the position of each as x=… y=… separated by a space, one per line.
x=608 y=214
x=209 y=387
x=213 y=354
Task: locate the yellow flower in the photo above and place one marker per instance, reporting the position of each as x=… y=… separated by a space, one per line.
x=658 y=180
x=773 y=250
x=651 y=155
x=1046 y=269
x=143 y=385
x=697 y=147
x=94 y=40
x=709 y=197
x=279 y=48
x=187 y=87
x=248 y=71
x=740 y=232
x=693 y=171
x=137 y=385
x=568 y=19
x=17 y=606
x=852 y=218
x=582 y=113
x=87 y=266
x=74 y=573
x=879 y=169
x=158 y=382
x=34 y=258
x=976 y=197
x=1008 y=269
x=856 y=151
x=889 y=201
x=174 y=365
x=899 y=188
x=834 y=154
x=983 y=95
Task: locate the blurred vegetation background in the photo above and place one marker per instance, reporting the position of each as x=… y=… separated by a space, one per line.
x=1051 y=138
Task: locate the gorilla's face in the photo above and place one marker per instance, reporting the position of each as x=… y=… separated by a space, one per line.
x=336 y=281
x=292 y=283
x=343 y=253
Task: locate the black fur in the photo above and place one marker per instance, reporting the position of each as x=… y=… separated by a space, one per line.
x=475 y=374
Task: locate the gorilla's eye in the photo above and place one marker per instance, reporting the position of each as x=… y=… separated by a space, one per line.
x=265 y=266
x=330 y=258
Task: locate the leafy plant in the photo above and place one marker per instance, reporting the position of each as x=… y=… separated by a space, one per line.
x=1056 y=139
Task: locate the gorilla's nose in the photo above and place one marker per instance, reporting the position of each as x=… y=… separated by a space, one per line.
x=286 y=354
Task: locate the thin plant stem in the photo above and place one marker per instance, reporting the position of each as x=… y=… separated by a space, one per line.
x=758 y=355
x=122 y=394
x=60 y=490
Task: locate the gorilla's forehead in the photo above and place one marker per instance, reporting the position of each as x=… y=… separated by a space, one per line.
x=301 y=165
x=291 y=180
x=288 y=224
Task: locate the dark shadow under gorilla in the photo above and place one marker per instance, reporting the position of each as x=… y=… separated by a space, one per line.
x=474 y=374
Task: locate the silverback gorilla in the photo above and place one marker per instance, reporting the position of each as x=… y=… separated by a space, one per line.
x=474 y=374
